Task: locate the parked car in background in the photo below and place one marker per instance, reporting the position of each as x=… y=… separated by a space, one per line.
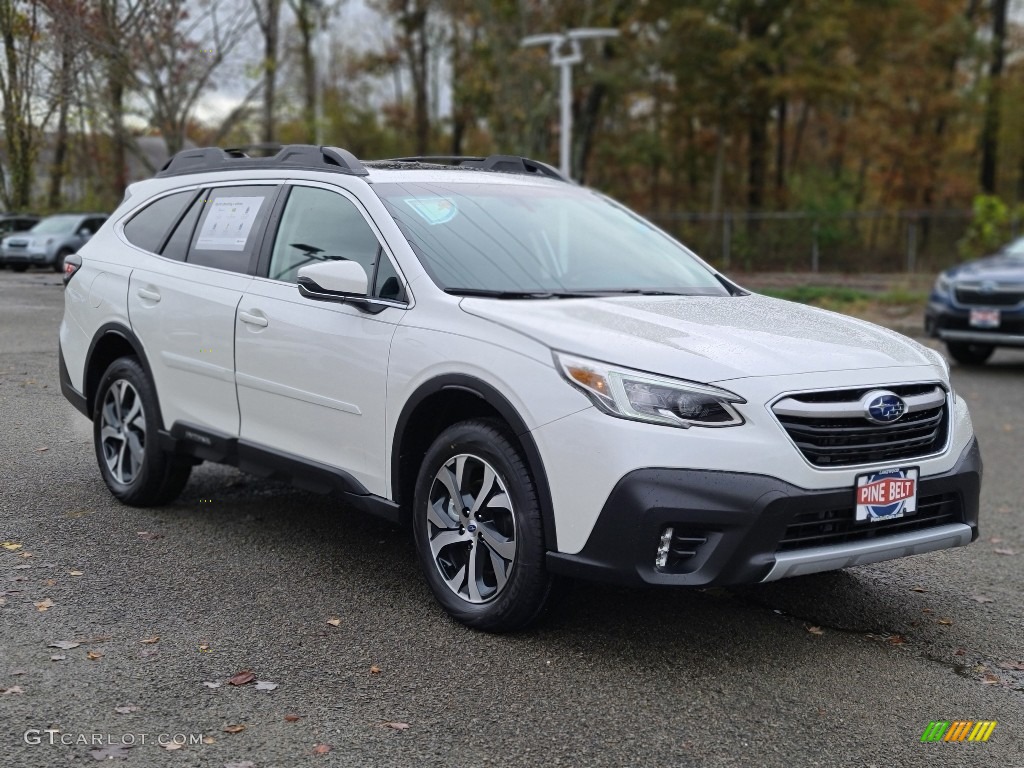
x=11 y=223
x=50 y=241
x=979 y=305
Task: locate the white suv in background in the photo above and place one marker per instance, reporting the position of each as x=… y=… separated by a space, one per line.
x=536 y=380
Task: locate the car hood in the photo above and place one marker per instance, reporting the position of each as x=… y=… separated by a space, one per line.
x=703 y=337
x=996 y=268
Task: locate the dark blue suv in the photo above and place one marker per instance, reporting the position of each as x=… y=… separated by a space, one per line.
x=978 y=306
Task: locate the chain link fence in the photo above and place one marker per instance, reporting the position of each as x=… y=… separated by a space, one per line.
x=849 y=242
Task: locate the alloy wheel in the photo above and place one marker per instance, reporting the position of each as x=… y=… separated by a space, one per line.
x=123 y=431
x=471 y=528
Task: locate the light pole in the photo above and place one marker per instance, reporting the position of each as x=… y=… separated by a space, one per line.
x=565 y=51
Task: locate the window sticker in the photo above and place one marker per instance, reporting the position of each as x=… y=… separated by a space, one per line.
x=433 y=210
x=228 y=223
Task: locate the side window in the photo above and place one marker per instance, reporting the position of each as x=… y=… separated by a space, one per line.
x=387 y=284
x=177 y=245
x=319 y=225
x=231 y=223
x=94 y=224
x=148 y=228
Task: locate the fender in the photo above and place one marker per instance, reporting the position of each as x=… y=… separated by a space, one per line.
x=507 y=411
x=126 y=334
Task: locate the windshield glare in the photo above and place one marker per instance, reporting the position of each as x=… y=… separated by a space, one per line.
x=55 y=225
x=1015 y=249
x=543 y=239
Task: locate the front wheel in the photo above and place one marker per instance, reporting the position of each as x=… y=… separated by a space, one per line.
x=478 y=528
x=970 y=354
x=125 y=426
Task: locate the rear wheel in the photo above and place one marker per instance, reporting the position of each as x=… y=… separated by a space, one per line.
x=19 y=267
x=125 y=426
x=970 y=354
x=478 y=529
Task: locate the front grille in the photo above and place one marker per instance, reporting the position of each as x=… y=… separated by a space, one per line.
x=977 y=298
x=833 y=441
x=837 y=526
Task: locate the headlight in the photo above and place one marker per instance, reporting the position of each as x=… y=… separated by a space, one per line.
x=642 y=396
x=942 y=284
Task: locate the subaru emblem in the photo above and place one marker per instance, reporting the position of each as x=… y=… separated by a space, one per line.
x=987 y=286
x=882 y=407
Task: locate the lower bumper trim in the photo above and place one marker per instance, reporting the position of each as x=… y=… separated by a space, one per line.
x=980 y=337
x=872 y=551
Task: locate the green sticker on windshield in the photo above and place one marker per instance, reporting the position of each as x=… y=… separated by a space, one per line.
x=433 y=210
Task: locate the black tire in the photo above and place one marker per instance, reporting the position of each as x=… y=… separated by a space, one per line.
x=970 y=354
x=19 y=267
x=517 y=601
x=143 y=475
x=58 y=264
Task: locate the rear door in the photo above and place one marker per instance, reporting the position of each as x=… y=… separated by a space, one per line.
x=182 y=303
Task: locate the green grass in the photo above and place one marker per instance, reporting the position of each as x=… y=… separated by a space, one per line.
x=837 y=296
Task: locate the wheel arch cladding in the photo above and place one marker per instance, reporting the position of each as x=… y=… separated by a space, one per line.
x=112 y=341
x=444 y=401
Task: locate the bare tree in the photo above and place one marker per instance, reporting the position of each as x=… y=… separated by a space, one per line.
x=20 y=22
x=268 y=19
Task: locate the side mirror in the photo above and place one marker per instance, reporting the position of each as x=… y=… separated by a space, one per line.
x=341 y=281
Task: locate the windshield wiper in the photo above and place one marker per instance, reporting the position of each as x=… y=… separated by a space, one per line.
x=490 y=294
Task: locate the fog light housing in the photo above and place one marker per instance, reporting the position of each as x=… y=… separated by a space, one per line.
x=664 y=547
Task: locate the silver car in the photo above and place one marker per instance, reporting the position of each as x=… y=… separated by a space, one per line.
x=50 y=241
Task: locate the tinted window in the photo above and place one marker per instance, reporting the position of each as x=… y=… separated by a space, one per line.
x=148 y=228
x=231 y=223
x=388 y=285
x=319 y=225
x=533 y=238
x=177 y=245
x=92 y=226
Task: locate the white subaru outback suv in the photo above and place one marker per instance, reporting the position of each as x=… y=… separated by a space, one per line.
x=536 y=380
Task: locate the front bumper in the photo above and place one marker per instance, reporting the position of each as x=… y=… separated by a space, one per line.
x=745 y=523
x=952 y=324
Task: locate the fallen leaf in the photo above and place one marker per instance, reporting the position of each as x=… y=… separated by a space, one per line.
x=147 y=536
x=126 y=710
x=292 y=718
x=209 y=740
x=918 y=589
x=150 y=640
x=50 y=582
x=995 y=540
x=12 y=689
x=960 y=652
x=243 y=677
x=896 y=640
x=211 y=685
x=170 y=746
x=10 y=546
x=17 y=672
x=204 y=647
x=816 y=630
x=58 y=657
x=927 y=610
x=25 y=555
x=945 y=622
x=1003 y=551
x=44 y=605
x=982 y=599
x=990 y=679
x=233 y=728
x=374 y=670
x=334 y=622
x=396 y=726
x=22 y=567
x=94 y=655
x=263 y=685
x=76 y=573
x=146 y=653
x=322 y=749
x=41 y=448
x=243 y=764
x=114 y=751
x=1015 y=665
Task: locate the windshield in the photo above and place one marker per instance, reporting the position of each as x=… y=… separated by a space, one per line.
x=517 y=239
x=1015 y=250
x=56 y=225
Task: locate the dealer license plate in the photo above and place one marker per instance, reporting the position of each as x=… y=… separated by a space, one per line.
x=984 y=318
x=886 y=495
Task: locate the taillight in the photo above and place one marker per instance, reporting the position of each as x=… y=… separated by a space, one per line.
x=72 y=264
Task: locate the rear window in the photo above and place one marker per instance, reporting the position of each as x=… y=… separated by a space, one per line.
x=149 y=227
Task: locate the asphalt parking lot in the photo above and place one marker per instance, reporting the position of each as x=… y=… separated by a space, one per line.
x=159 y=608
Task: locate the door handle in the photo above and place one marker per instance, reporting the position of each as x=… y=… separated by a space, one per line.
x=148 y=295
x=252 y=319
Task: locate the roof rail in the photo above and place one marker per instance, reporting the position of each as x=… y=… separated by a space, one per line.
x=505 y=163
x=305 y=156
